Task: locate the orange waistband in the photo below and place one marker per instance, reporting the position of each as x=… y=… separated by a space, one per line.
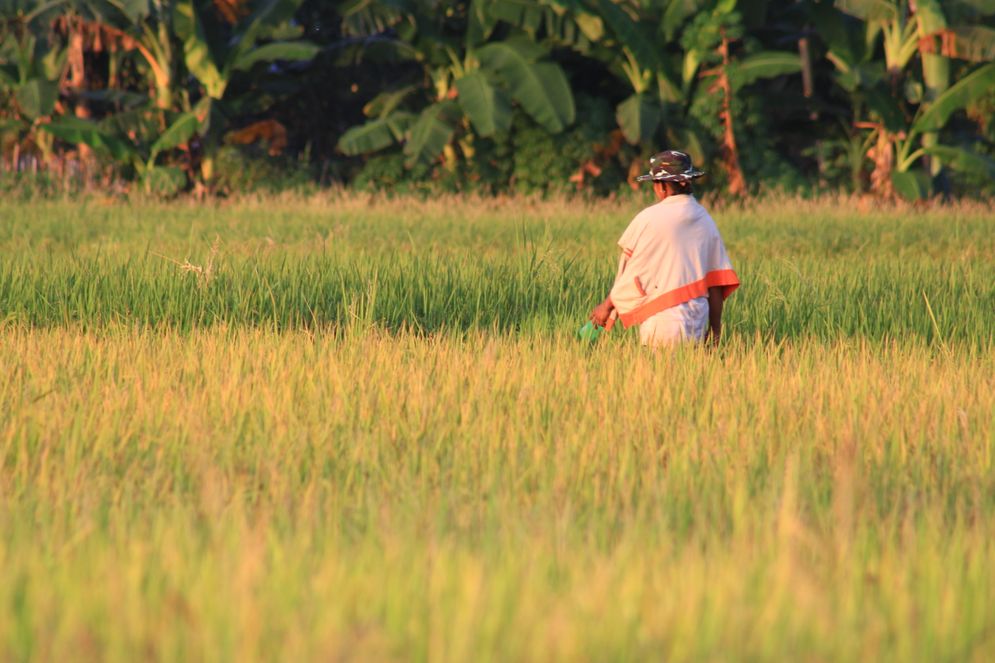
x=724 y=278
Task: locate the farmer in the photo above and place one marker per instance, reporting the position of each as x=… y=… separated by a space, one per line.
x=674 y=273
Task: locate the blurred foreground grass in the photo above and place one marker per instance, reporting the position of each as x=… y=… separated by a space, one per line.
x=398 y=472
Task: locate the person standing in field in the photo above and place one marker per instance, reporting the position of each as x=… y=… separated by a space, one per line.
x=673 y=274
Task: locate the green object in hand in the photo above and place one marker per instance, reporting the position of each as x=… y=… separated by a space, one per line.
x=590 y=332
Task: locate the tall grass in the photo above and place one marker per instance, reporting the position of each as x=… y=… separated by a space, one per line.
x=819 y=272
x=384 y=443
x=874 y=299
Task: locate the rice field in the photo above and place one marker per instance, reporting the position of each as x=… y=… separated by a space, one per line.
x=357 y=429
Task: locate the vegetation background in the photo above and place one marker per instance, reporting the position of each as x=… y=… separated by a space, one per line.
x=313 y=422
x=220 y=96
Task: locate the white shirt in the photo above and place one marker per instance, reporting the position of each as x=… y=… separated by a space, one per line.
x=672 y=253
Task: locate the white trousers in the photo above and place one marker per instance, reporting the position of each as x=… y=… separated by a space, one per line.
x=684 y=322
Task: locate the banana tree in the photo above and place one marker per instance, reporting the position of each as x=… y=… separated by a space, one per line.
x=473 y=86
x=217 y=47
x=133 y=141
x=902 y=149
x=560 y=23
x=30 y=71
x=122 y=28
x=933 y=30
x=214 y=53
x=906 y=30
x=42 y=77
x=667 y=83
x=30 y=74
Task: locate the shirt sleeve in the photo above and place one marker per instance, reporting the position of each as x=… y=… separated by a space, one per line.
x=720 y=259
x=720 y=271
x=622 y=260
x=627 y=242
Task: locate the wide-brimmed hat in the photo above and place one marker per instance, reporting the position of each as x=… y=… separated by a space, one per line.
x=670 y=166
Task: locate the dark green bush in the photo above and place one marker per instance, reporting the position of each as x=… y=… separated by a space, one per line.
x=250 y=169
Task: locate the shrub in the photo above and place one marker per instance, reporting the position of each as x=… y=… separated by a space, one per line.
x=248 y=169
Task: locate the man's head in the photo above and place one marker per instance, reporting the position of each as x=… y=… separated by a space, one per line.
x=664 y=189
x=671 y=172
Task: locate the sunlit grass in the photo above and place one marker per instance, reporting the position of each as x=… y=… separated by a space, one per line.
x=321 y=452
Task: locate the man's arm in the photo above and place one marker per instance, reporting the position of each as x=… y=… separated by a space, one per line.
x=715 y=314
x=603 y=311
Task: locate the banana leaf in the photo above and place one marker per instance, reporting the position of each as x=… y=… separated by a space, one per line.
x=261 y=24
x=869 y=10
x=296 y=51
x=188 y=26
x=79 y=131
x=675 y=14
x=375 y=135
x=179 y=132
x=964 y=92
x=384 y=103
x=37 y=97
x=911 y=185
x=480 y=22
x=935 y=67
x=386 y=51
x=430 y=133
x=138 y=122
x=839 y=35
x=50 y=61
x=768 y=64
x=629 y=33
x=487 y=106
x=963 y=160
x=540 y=88
x=638 y=117
x=886 y=108
x=591 y=25
x=974 y=43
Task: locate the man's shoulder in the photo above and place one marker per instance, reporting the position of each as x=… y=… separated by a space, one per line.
x=672 y=208
x=644 y=216
x=694 y=209
x=657 y=209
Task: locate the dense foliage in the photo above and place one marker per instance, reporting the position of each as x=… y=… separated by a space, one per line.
x=891 y=96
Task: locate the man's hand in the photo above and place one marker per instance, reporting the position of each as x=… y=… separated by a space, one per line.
x=601 y=312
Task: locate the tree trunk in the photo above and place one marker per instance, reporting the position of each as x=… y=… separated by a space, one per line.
x=930 y=26
x=883 y=156
x=77 y=78
x=808 y=84
x=730 y=152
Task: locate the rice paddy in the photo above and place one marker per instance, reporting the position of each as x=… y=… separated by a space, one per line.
x=342 y=428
